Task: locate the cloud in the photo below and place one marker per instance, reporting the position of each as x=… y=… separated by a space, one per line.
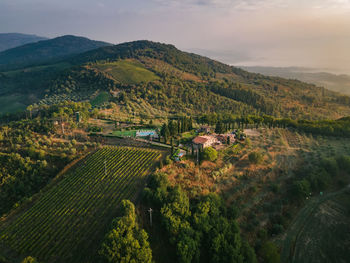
x=256 y=4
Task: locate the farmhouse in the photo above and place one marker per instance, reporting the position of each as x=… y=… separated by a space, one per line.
x=223 y=138
x=201 y=142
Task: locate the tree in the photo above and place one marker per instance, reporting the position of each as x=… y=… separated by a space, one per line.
x=269 y=253
x=331 y=166
x=210 y=154
x=126 y=242
x=219 y=128
x=29 y=259
x=30 y=108
x=165 y=132
x=255 y=157
x=301 y=189
x=172 y=126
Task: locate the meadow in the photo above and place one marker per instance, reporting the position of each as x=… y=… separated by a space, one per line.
x=127 y=71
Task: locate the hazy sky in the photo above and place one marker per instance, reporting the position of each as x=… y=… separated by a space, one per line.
x=309 y=33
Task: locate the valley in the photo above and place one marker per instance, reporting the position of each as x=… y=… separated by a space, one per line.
x=140 y=152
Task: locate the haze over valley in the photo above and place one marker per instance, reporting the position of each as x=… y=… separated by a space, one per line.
x=174 y=131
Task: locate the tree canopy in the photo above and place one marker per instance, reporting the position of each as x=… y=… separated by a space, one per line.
x=126 y=242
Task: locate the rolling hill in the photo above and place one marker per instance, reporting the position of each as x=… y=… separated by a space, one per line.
x=12 y=40
x=46 y=50
x=168 y=80
x=335 y=82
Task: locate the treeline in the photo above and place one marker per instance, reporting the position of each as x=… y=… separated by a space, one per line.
x=175 y=127
x=237 y=92
x=201 y=230
x=29 y=157
x=178 y=96
x=81 y=79
x=20 y=177
x=318 y=178
x=340 y=127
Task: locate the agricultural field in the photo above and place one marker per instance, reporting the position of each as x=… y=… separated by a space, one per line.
x=100 y=99
x=127 y=71
x=321 y=230
x=67 y=221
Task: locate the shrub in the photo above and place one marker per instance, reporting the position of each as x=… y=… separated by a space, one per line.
x=210 y=154
x=331 y=166
x=255 y=157
x=269 y=253
x=168 y=160
x=277 y=229
x=344 y=163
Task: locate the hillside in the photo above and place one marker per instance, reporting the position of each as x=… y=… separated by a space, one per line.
x=12 y=40
x=335 y=82
x=46 y=50
x=170 y=81
x=102 y=180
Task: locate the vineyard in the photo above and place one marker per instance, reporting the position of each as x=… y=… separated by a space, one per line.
x=71 y=217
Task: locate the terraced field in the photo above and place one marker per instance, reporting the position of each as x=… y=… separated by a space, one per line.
x=71 y=217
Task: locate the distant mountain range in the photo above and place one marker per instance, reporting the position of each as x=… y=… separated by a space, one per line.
x=152 y=79
x=46 y=51
x=339 y=83
x=11 y=40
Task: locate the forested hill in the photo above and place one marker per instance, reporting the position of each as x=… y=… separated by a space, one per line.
x=11 y=40
x=46 y=50
x=150 y=78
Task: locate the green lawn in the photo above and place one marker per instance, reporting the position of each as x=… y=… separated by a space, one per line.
x=131 y=133
x=127 y=71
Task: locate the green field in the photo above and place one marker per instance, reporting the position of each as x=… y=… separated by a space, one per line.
x=131 y=133
x=127 y=71
x=101 y=98
x=11 y=103
x=68 y=221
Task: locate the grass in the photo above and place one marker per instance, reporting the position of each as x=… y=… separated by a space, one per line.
x=11 y=103
x=68 y=221
x=100 y=99
x=127 y=71
x=131 y=133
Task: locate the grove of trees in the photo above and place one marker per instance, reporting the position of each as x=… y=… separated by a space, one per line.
x=126 y=242
x=201 y=230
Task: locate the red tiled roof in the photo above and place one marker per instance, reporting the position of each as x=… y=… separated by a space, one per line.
x=199 y=140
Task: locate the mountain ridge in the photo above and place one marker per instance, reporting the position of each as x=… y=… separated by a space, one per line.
x=332 y=81
x=167 y=80
x=46 y=51
x=12 y=40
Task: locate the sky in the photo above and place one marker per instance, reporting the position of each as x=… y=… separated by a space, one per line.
x=304 y=33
